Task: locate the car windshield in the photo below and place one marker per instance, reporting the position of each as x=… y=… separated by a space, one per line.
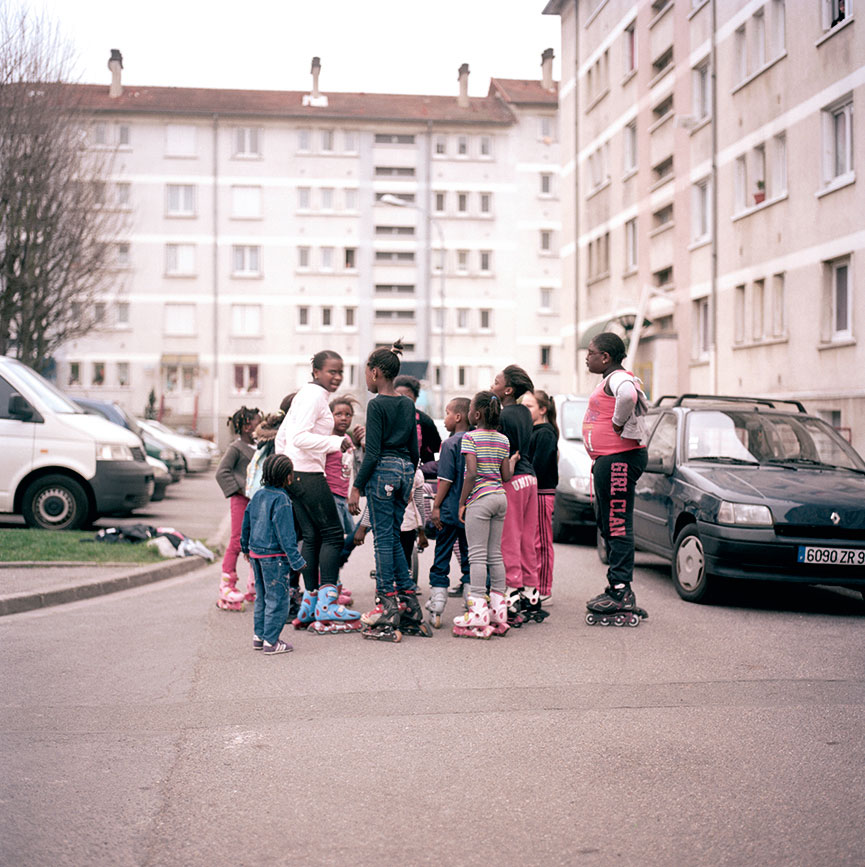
x=570 y=419
x=759 y=437
x=51 y=396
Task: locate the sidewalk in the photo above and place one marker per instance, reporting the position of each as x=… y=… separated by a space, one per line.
x=26 y=586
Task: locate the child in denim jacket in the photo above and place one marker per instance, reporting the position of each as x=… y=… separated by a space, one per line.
x=269 y=542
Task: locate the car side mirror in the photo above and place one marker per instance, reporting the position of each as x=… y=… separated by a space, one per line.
x=20 y=408
x=662 y=465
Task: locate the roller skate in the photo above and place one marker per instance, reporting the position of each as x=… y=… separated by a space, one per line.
x=514 y=602
x=438 y=597
x=616 y=606
x=382 y=622
x=230 y=598
x=498 y=613
x=411 y=620
x=531 y=605
x=306 y=612
x=475 y=623
x=330 y=616
x=249 y=596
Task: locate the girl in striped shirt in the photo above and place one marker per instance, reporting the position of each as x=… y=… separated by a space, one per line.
x=482 y=507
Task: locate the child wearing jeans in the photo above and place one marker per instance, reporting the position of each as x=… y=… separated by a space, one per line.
x=231 y=478
x=269 y=542
x=386 y=477
x=483 y=505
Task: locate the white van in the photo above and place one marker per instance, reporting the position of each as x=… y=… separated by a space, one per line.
x=60 y=467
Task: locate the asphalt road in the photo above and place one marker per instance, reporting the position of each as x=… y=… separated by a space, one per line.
x=140 y=728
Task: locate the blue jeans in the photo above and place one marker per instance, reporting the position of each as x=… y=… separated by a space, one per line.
x=446 y=538
x=387 y=494
x=271 y=596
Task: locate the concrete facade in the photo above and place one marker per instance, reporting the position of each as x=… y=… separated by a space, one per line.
x=258 y=235
x=753 y=291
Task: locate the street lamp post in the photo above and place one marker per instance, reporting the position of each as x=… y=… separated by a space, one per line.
x=388 y=199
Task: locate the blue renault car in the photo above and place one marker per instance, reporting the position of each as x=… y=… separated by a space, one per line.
x=739 y=487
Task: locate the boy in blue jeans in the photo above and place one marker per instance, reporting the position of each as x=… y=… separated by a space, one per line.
x=269 y=543
x=445 y=511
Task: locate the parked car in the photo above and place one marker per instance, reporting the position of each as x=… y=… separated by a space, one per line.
x=740 y=487
x=197 y=453
x=60 y=467
x=155 y=447
x=573 y=507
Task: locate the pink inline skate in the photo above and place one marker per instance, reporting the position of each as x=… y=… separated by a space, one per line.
x=498 y=613
x=475 y=623
x=230 y=598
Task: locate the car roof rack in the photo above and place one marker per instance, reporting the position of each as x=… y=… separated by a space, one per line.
x=679 y=400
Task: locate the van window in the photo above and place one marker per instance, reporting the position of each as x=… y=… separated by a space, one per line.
x=53 y=398
x=6 y=391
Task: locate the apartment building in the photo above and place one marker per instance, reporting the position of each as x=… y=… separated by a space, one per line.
x=714 y=215
x=264 y=226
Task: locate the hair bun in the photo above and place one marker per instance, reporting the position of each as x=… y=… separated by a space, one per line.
x=396 y=347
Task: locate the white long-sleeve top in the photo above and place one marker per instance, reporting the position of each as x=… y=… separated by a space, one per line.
x=306 y=433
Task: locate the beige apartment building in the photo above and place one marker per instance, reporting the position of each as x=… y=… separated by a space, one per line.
x=712 y=212
x=264 y=226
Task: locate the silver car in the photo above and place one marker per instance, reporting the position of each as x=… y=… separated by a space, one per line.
x=574 y=507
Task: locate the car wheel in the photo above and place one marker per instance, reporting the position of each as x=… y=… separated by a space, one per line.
x=55 y=503
x=601 y=544
x=690 y=579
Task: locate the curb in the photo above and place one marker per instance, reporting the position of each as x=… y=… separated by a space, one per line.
x=15 y=604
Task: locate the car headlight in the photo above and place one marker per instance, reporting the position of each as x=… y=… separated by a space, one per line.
x=744 y=513
x=113 y=452
x=581 y=484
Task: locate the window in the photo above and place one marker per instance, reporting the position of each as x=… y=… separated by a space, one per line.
x=758 y=301
x=393 y=138
x=438 y=319
x=702 y=329
x=439 y=203
x=124 y=135
x=327 y=317
x=629 y=47
x=838 y=140
x=701 y=102
x=246 y=203
x=404 y=315
x=840 y=299
x=739 y=314
x=463 y=261
x=180 y=377
x=663 y=217
x=393 y=256
x=122 y=194
x=349 y=141
x=179 y=320
x=778 y=26
x=179 y=140
x=326 y=198
x=486 y=145
x=631 y=245
x=180 y=200
x=546 y=357
x=350 y=258
x=394 y=289
x=121 y=256
x=778 y=182
x=302 y=317
x=486 y=261
x=350 y=313
x=303 y=257
x=462 y=318
x=741 y=49
x=74 y=375
x=663 y=277
x=121 y=315
x=486 y=319
x=835 y=12
x=545 y=302
x=179 y=260
x=394 y=171
x=546 y=184
x=327 y=140
x=486 y=202
x=758 y=40
x=350 y=199
x=461 y=376
x=545 y=125
x=662 y=63
x=327 y=258
x=123 y=373
x=663 y=109
x=247 y=141
x=462 y=203
x=303 y=198
x=630 y=134
x=700 y=210
x=394 y=230
x=304 y=136
x=758 y=173
x=97 y=376
x=441 y=145
x=245 y=320
x=463 y=145
x=245 y=378
x=546 y=240
x=779 y=323
x=741 y=183
x=246 y=260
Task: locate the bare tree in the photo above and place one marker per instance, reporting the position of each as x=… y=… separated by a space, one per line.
x=57 y=223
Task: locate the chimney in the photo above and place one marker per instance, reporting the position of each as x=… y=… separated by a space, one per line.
x=463 y=78
x=316 y=71
x=547 y=69
x=115 y=64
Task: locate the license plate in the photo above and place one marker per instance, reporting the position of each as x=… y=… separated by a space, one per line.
x=832 y=556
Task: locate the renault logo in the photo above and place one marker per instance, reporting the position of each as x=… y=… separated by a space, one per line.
x=835 y=518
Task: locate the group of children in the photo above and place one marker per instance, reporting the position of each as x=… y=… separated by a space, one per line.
x=497 y=472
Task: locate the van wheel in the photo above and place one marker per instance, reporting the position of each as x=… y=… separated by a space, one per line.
x=55 y=503
x=690 y=578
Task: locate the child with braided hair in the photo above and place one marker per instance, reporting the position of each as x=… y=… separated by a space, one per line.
x=231 y=478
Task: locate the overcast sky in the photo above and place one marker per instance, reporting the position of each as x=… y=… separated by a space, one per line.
x=396 y=46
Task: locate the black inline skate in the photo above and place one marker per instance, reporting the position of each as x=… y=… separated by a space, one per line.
x=411 y=620
x=514 y=601
x=616 y=606
x=382 y=623
x=531 y=605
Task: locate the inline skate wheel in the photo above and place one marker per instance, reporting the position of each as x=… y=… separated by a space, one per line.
x=635 y=620
x=591 y=619
x=619 y=620
x=605 y=621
